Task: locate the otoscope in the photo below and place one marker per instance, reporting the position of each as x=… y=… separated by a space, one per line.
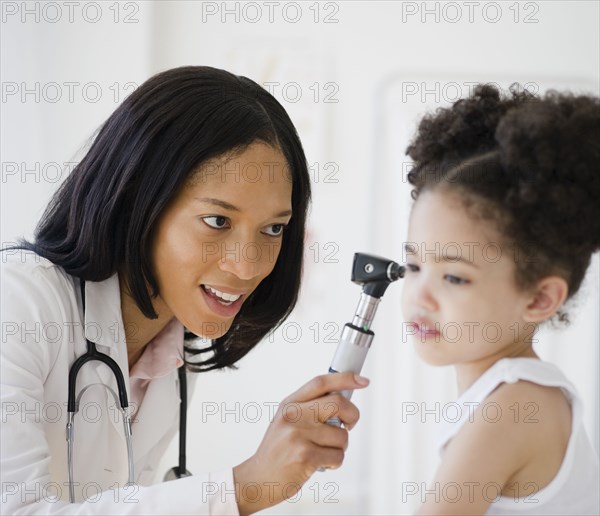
x=375 y=275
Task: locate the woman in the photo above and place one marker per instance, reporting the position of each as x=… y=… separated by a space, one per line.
x=186 y=214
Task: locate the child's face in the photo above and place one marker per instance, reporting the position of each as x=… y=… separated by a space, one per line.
x=475 y=307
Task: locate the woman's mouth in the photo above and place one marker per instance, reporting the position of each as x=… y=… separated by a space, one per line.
x=225 y=304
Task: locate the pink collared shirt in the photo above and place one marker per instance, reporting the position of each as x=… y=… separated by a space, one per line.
x=162 y=355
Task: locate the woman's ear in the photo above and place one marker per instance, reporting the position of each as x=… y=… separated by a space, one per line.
x=548 y=296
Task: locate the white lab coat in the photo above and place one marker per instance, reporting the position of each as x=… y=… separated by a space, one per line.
x=41 y=337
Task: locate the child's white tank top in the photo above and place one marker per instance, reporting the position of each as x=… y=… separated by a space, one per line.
x=576 y=487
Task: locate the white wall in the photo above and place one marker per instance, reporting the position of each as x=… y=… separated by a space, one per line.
x=376 y=61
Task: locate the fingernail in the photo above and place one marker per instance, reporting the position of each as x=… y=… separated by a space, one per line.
x=361 y=380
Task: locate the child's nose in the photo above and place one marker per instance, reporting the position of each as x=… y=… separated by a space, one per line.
x=424 y=296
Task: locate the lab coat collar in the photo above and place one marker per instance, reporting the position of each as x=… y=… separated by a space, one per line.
x=103 y=318
x=104 y=326
x=103 y=323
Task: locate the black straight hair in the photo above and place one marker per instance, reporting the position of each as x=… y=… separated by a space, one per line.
x=102 y=220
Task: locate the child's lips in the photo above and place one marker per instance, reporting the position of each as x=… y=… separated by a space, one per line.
x=424 y=328
x=425 y=325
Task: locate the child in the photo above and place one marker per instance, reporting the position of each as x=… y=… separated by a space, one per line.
x=507 y=216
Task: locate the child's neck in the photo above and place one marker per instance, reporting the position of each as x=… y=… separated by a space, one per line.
x=467 y=373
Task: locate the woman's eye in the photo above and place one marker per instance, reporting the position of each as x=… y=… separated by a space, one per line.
x=412 y=268
x=275 y=229
x=455 y=280
x=215 y=221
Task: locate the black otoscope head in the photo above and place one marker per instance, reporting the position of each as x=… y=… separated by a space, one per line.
x=375 y=273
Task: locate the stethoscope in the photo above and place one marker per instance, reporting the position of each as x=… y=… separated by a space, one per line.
x=73 y=407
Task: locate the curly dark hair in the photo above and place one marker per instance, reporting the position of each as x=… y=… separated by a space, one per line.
x=529 y=164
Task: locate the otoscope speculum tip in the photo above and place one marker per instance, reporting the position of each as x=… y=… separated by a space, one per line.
x=395 y=271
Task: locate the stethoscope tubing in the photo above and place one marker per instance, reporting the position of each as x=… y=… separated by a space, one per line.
x=73 y=407
x=73 y=403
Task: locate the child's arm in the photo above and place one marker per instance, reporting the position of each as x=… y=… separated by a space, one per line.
x=501 y=447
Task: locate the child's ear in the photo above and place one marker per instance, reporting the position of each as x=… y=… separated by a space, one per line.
x=548 y=296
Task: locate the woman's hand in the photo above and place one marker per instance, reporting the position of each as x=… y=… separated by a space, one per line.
x=298 y=442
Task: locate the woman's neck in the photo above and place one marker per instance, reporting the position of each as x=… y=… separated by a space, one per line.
x=139 y=329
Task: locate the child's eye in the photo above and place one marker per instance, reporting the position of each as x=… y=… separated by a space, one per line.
x=216 y=221
x=275 y=230
x=455 y=280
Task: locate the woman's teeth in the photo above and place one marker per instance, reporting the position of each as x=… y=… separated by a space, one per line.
x=223 y=297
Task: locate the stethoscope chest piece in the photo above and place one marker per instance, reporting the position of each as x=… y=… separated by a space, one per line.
x=173 y=474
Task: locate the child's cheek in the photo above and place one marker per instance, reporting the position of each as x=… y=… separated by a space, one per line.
x=405 y=303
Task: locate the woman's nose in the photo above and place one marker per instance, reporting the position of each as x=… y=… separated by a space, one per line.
x=246 y=260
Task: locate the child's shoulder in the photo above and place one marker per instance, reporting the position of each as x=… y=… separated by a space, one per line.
x=525 y=391
x=519 y=411
x=528 y=425
x=515 y=440
x=527 y=396
x=537 y=411
x=533 y=395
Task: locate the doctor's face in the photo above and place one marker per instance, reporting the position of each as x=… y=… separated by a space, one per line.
x=221 y=236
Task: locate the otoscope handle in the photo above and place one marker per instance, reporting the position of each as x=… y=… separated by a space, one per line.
x=350 y=356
